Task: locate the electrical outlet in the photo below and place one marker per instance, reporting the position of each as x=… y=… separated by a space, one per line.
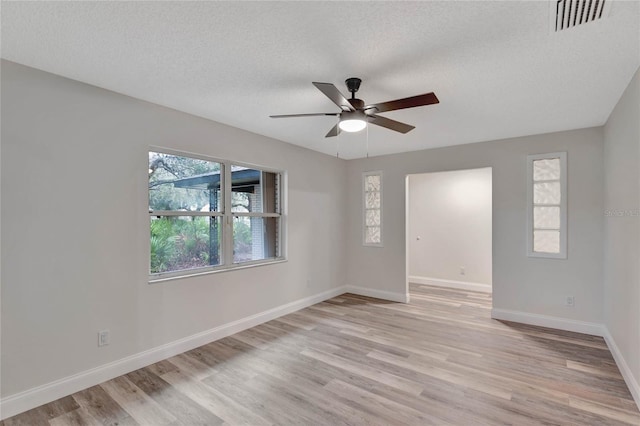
x=462 y=270
x=570 y=301
x=103 y=338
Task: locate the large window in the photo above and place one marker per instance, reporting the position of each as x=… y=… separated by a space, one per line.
x=547 y=205
x=372 y=208
x=208 y=214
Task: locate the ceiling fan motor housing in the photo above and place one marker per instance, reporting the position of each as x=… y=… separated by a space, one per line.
x=353 y=84
x=357 y=103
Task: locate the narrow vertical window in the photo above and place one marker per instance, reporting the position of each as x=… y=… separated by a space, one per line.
x=372 y=201
x=547 y=205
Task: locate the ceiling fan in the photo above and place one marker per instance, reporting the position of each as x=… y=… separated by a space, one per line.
x=355 y=115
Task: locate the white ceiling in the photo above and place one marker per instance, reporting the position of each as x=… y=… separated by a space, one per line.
x=495 y=66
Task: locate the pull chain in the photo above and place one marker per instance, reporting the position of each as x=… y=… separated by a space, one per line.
x=367 y=140
x=338 y=139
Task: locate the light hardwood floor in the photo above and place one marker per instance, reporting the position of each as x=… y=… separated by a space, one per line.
x=354 y=360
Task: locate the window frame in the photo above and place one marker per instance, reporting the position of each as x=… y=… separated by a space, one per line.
x=562 y=156
x=226 y=219
x=364 y=208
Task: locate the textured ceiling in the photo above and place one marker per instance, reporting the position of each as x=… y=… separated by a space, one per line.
x=495 y=66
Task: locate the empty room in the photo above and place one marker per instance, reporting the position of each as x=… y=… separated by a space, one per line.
x=320 y=213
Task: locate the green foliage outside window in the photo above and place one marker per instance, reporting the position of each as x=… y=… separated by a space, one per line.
x=179 y=243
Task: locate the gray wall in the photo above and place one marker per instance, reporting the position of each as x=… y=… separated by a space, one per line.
x=75 y=228
x=530 y=285
x=622 y=225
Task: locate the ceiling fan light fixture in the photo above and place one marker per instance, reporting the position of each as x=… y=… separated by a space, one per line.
x=352 y=121
x=352 y=125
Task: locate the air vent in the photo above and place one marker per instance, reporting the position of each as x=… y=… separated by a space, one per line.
x=567 y=14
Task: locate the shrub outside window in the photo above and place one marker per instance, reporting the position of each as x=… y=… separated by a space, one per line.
x=208 y=215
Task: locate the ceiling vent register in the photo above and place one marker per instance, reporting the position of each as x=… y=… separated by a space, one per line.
x=567 y=14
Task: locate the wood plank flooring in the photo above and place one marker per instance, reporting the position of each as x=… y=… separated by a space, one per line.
x=354 y=360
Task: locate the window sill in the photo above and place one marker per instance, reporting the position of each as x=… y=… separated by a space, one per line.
x=154 y=279
x=541 y=255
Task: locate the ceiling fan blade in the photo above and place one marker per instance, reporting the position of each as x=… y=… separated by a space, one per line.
x=335 y=131
x=390 y=124
x=305 y=115
x=413 y=101
x=332 y=92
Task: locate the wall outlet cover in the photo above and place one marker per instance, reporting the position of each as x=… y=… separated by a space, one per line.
x=103 y=338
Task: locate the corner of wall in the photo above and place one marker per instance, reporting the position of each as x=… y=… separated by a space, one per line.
x=627 y=374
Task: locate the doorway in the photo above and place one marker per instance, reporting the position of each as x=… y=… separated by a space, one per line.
x=449 y=229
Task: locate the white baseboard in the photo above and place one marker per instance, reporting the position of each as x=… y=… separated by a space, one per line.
x=566 y=324
x=378 y=294
x=630 y=380
x=462 y=285
x=31 y=398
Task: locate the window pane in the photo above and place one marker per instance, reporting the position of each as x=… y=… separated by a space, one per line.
x=548 y=169
x=184 y=242
x=546 y=193
x=546 y=241
x=372 y=235
x=255 y=238
x=254 y=190
x=373 y=183
x=373 y=218
x=183 y=183
x=546 y=217
x=372 y=200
